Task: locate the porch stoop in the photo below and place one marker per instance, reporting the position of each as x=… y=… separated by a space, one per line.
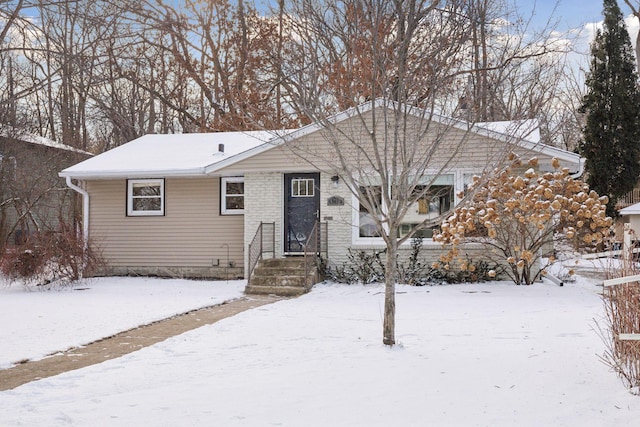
x=280 y=276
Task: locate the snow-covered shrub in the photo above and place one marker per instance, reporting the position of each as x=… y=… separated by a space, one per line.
x=415 y=271
x=368 y=267
x=515 y=217
x=468 y=271
x=361 y=267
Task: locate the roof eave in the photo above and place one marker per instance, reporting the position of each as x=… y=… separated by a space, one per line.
x=160 y=173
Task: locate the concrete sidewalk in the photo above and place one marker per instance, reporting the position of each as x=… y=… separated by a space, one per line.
x=126 y=342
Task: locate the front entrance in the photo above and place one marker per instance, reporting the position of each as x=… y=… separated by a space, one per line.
x=301 y=209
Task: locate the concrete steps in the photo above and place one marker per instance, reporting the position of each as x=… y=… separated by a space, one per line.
x=280 y=276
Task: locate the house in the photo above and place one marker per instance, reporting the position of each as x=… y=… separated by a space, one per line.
x=192 y=204
x=630 y=219
x=34 y=197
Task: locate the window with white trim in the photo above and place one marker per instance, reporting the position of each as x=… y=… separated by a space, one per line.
x=437 y=200
x=232 y=195
x=145 y=197
x=302 y=187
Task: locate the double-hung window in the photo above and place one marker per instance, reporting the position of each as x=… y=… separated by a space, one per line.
x=145 y=197
x=232 y=195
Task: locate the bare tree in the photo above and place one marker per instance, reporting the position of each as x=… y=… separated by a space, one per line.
x=400 y=56
x=224 y=50
x=404 y=59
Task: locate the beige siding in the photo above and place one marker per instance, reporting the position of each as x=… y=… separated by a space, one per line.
x=459 y=148
x=276 y=159
x=191 y=234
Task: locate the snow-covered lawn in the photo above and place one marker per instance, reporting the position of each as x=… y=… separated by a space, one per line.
x=36 y=324
x=469 y=355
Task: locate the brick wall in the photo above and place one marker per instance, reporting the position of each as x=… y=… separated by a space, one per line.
x=263 y=203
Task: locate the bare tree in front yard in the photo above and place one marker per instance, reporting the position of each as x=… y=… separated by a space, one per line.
x=401 y=67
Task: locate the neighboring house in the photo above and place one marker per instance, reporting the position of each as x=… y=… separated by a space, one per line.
x=34 y=197
x=629 y=215
x=190 y=204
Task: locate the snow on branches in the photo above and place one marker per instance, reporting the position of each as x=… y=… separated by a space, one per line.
x=516 y=216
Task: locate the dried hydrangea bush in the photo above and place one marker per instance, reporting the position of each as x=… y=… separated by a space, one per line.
x=516 y=216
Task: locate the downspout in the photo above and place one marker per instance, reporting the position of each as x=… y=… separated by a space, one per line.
x=85 y=211
x=580 y=169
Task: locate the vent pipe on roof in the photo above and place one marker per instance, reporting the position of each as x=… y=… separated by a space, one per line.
x=221 y=148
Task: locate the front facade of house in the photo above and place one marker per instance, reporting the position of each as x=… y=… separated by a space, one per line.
x=189 y=205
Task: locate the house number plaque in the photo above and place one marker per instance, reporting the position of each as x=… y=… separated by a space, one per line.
x=335 y=201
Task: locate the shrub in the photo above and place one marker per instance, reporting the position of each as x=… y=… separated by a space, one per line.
x=466 y=272
x=361 y=267
x=622 y=315
x=367 y=267
x=415 y=271
x=515 y=216
x=48 y=259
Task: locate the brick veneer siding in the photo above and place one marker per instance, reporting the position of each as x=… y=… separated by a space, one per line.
x=263 y=199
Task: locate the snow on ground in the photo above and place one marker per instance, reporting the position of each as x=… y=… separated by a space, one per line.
x=490 y=354
x=36 y=324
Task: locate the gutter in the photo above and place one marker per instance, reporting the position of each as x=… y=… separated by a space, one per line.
x=85 y=210
x=118 y=174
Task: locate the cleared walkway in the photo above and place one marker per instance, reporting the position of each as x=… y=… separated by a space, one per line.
x=126 y=342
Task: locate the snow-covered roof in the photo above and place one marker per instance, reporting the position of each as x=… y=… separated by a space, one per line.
x=154 y=155
x=39 y=140
x=631 y=210
x=528 y=130
x=197 y=154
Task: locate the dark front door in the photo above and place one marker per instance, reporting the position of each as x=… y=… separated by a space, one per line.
x=301 y=207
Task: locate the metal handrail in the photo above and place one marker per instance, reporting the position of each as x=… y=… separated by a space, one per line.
x=258 y=246
x=315 y=248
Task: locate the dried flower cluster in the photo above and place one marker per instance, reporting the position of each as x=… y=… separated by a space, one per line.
x=516 y=216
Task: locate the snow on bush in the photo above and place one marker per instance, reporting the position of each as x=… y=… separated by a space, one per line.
x=516 y=216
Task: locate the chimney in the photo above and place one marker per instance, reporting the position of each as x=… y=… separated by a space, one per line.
x=221 y=148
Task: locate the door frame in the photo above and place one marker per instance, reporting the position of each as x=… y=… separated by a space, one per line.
x=286 y=194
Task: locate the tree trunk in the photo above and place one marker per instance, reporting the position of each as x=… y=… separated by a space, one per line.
x=389 y=323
